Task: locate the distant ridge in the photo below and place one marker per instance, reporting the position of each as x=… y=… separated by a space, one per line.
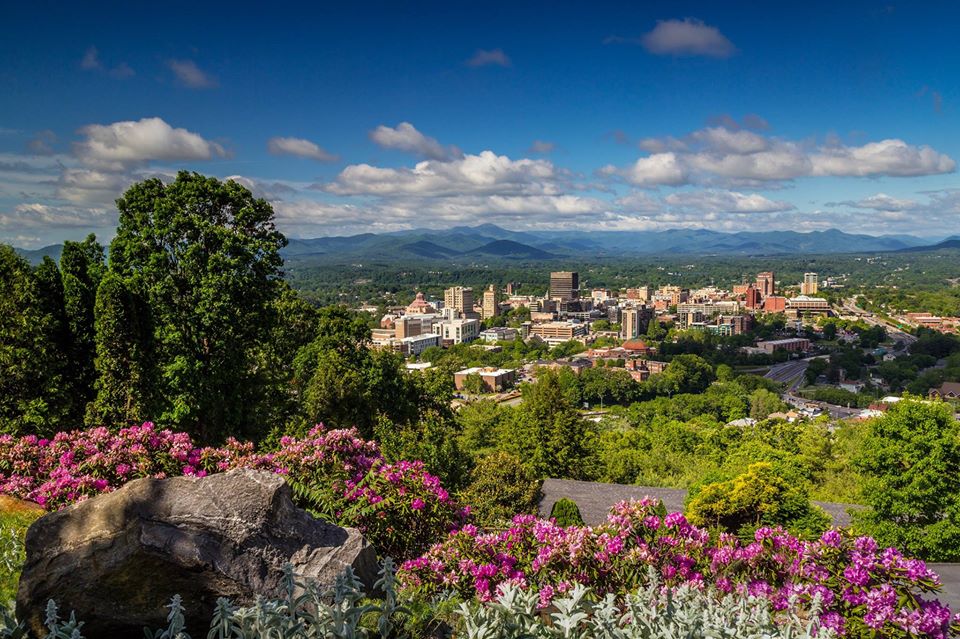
x=492 y=241
x=511 y=249
x=949 y=243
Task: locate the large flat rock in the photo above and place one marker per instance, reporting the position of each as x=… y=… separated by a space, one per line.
x=117 y=559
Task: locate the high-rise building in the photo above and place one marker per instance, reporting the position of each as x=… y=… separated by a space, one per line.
x=512 y=288
x=630 y=322
x=460 y=299
x=766 y=283
x=752 y=297
x=490 y=307
x=564 y=285
x=809 y=286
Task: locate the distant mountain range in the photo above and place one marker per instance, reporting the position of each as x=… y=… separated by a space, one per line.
x=489 y=240
x=492 y=242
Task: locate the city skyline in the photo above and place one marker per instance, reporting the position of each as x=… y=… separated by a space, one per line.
x=379 y=118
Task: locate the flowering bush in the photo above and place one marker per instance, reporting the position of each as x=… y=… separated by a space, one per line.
x=400 y=507
x=864 y=591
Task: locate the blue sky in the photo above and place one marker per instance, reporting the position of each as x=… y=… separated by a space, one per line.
x=355 y=117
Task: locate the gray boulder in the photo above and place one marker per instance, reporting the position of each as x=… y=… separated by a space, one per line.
x=118 y=558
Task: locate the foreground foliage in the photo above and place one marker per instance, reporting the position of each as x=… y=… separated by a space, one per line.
x=864 y=590
x=399 y=506
x=343 y=612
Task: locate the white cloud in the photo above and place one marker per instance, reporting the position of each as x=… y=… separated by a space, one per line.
x=190 y=75
x=687 y=37
x=879 y=202
x=888 y=157
x=405 y=137
x=42 y=216
x=725 y=140
x=300 y=148
x=492 y=57
x=737 y=157
x=484 y=173
x=659 y=169
x=715 y=201
x=91 y=186
x=132 y=142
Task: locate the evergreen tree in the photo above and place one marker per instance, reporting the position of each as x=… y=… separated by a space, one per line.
x=124 y=373
x=565 y=512
x=81 y=268
x=32 y=392
x=548 y=430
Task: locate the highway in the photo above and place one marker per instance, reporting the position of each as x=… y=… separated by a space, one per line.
x=789 y=373
x=850 y=306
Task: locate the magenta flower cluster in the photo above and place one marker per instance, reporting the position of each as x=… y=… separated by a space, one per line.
x=864 y=590
x=400 y=507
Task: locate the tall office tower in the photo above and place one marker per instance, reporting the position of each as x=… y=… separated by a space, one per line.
x=766 y=283
x=459 y=298
x=512 y=288
x=752 y=297
x=490 y=308
x=564 y=285
x=630 y=322
x=809 y=286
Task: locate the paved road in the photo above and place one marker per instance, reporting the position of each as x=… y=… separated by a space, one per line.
x=837 y=412
x=850 y=306
x=789 y=373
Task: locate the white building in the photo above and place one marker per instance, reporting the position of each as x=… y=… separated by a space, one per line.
x=499 y=334
x=456 y=331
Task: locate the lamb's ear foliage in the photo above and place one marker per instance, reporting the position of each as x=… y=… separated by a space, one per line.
x=344 y=612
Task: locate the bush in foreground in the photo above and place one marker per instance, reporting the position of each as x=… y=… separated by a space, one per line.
x=401 y=508
x=864 y=591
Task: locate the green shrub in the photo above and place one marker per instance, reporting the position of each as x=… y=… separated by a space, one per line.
x=758 y=497
x=566 y=513
x=501 y=486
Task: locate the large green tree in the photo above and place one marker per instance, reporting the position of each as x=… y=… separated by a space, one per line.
x=911 y=462
x=548 y=432
x=206 y=255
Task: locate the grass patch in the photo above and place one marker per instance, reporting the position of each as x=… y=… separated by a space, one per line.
x=15 y=517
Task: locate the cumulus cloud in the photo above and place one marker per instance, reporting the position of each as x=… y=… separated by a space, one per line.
x=687 y=37
x=659 y=169
x=132 y=142
x=299 y=147
x=190 y=75
x=887 y=157
x=716 y=201
x=486 y=58
x=405 y=137
x=720 y=155
x=486 y=172
x=91 y=186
